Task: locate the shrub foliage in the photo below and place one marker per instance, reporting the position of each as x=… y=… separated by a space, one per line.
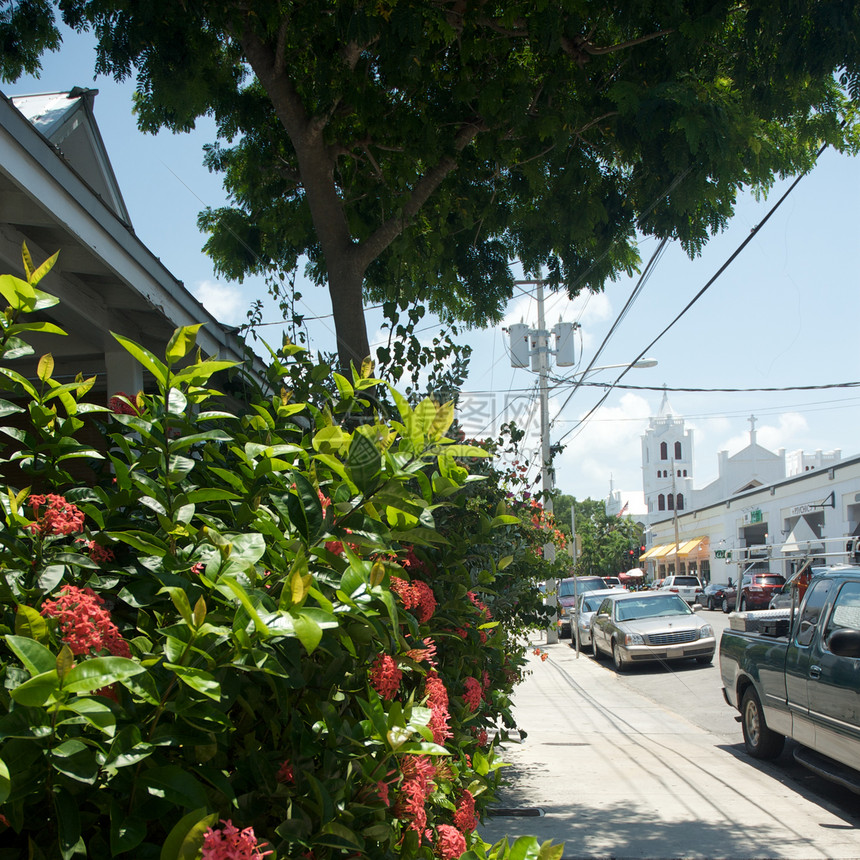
x=291 y=630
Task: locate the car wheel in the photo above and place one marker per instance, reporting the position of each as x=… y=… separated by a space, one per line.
x=595 y=651
x=710 y=603
x=759 y=740
x=726 y=608
x=617 y=658
x=743 y=604
x=705 y=659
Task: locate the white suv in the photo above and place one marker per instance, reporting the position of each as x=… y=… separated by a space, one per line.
x=686 y=586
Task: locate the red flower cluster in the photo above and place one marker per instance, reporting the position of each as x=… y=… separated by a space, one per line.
x=230 y=843
x=464 y=817
x=98 y=552
x=120 y=406
x=385 y=676
x=417 y=784
x=285 y=773
x=427 y=653
x=85 y=626
x=450 y=843
x=59 y=517
x=412 y=563
x=473 y=693
x=416 y=595
x=480 y=606
x=437 y=701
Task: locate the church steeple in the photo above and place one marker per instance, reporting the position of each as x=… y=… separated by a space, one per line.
x=666 y=410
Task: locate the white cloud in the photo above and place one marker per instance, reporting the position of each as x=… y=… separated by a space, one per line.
x=224 y=302
x=607 y=447
x=790 y=433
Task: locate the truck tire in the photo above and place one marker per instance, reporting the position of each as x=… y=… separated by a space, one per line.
x=759 y=740
x=617 y=661
x=743 y=604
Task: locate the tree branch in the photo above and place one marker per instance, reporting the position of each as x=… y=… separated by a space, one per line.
x=387 y=232
x=581 y=49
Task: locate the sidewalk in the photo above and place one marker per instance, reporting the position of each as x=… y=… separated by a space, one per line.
x=617 y=776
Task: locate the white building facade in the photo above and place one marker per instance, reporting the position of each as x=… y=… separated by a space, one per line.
x=815 y=513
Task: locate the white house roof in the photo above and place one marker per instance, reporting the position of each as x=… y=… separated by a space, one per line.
x=66 y=120
x=58 y=193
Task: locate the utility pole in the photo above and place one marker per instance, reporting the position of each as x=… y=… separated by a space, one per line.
x=677 y=567
x=533 y=346
x=547 y=472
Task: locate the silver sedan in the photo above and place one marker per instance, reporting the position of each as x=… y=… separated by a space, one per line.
x=589 y=603
x=640 y=626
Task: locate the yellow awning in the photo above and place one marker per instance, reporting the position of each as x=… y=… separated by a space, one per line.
x=690 y=546
x=657 y=551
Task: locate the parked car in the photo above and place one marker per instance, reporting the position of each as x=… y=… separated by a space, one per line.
x=684 y=585
x=711 y=596
x=568 y=589
x=655 y=625
x=797 y=677
x=589 y=603
x=781 y=599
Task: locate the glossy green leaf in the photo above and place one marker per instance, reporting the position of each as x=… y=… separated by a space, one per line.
x=37 y=690
x=68 y=823
x=197 y=679
x=5 y=782
x=145 y=357
x=29 y=623
x=186 y=838
x=181 y=342
x=174 y=784
x=305 y=508
x=98 y=672
x=364 y=461
x=35 y=656
x=308 y=630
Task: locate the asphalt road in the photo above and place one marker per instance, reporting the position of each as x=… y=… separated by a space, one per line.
x=695 y=693
x=650 y=764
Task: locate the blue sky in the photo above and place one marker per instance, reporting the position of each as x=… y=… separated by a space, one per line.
x=785 y=313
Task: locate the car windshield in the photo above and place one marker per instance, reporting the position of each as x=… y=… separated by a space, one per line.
x=634 y=608
x=566 y=587
x=590 y=604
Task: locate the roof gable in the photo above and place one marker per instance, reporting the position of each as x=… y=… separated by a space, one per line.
x=66 y=121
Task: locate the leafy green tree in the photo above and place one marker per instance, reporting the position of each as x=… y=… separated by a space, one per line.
x=412 y=148
x=605 y=541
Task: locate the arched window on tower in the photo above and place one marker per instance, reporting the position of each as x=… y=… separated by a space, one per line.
x=680 y=503
x=661 y=502
x=677 y=450
x=685 y=473
x=664 y=451
x=671 y=500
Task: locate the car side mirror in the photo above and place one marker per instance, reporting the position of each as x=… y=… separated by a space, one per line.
x=844 y=643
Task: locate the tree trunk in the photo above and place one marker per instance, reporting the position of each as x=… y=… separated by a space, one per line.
x=350 y=328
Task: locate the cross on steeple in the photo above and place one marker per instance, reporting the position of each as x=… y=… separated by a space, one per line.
x=752 y=420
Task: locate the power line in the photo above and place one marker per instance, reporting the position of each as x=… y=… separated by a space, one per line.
x=735 y=254
x=721 y=390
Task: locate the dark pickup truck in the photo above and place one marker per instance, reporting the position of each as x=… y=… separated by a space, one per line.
x=797 y=675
